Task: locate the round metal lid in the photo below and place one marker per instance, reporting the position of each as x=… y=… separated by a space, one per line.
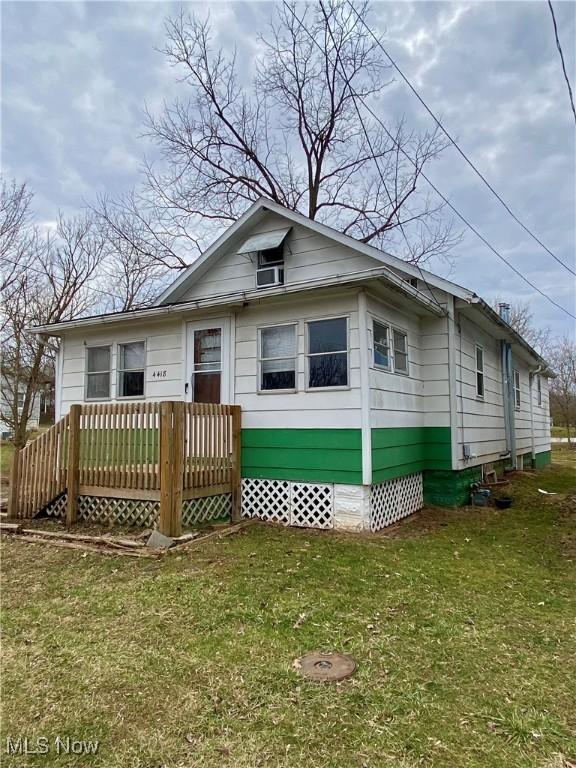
x=325 y=667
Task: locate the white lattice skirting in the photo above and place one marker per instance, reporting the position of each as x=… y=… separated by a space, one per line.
x=132 y=512
x=56 y=508
x=140 y=512
x=315 y=505
x=204 y=510
x=395 y=499
x=307 y=505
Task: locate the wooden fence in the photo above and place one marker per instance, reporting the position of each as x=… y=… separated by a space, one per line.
x=167 y=451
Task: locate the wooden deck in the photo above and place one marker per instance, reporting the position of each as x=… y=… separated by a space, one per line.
x=166 y=451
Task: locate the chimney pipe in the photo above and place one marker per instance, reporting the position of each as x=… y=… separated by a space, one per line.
x=504 y=311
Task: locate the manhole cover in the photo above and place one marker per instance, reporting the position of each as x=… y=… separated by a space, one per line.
x=325 y=667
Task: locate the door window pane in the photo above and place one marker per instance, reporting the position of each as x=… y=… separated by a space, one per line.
x=208 y=349
x=278 y=357
x=207 y=365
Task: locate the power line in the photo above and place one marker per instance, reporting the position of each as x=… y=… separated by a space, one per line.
x=570 y=94
x=457 y=147
x=442 y=197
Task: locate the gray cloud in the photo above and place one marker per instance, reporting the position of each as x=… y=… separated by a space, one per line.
x=76 y=78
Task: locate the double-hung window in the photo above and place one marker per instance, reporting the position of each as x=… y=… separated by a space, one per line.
x=539 y=389
x=277 y=358
x=327 y=353
x=479 y=372
x=98 y=362
x=516 y=375
x=381 y=335
x=131 y=366
x=400 y=351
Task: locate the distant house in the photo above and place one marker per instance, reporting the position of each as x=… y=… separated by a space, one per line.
x=11 y=393
x=367 y=385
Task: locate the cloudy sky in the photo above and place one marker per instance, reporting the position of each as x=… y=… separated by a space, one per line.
x=76 y=77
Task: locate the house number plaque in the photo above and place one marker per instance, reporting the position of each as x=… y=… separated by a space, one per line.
x=159 y=374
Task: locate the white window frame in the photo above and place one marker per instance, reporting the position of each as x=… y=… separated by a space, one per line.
x=88 y=373
x=120 y=371
x=386 y=325
x=396 y=329
x=308 y=355
x=480 y=371
x=289 y=390
x=516 y=388
x=539 y=388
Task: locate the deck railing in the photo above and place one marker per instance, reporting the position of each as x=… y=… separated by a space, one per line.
x=167 y=451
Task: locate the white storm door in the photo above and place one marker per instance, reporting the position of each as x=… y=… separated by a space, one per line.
x=208 y=361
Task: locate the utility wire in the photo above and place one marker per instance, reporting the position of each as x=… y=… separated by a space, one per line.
x=455 y=144
x=562 y=59
x=442 y=197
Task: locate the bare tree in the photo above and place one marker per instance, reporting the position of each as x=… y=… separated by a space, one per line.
x=56 y=289
x=522 y=320
x=562 y=356
x=15 y=233
x=298 y=136
x=137 y=274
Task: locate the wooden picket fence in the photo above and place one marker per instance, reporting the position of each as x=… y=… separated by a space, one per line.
x=167 y=451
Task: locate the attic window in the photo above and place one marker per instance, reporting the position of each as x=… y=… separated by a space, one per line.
x=269 y=250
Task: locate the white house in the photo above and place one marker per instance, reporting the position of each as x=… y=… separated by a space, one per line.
x=366 y=384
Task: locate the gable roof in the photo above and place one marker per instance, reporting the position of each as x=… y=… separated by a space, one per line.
x=232 y=238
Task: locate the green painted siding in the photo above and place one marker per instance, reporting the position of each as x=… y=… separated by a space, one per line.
x=450 y=489
x=399 y=451
x=542 y=460
x=307 y=455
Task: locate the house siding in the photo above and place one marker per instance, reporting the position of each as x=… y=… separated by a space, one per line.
x=397 y=452
x=303 y=409
x=317 y=455
x=307 y=256
x=164 y=352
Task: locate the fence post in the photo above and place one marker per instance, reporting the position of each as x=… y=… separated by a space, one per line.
x=73 y=471
x=177 y=468
x=171 y=468
x=13 y=506
x=236 y=463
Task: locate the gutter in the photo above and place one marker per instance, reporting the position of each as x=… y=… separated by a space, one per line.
x=515 y=336
x=240 y=298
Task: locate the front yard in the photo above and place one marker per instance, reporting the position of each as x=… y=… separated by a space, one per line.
x=461 y=622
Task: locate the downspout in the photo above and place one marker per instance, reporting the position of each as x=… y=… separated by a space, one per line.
x=531 y=376
x=507 y=389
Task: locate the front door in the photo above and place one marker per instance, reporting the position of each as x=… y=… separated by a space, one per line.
x=207 y=344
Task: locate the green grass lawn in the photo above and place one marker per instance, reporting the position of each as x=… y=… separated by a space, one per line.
x=461 y=622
